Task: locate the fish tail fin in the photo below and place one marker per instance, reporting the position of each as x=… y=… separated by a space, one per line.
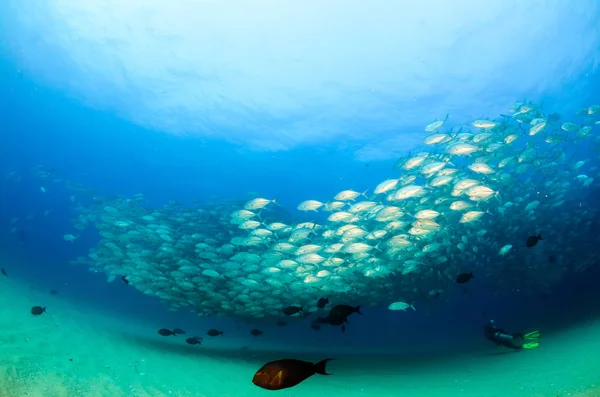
x=44 y=309
x=357 y=308
x=274 y=201
x=364 y=194
x=412 y=306
x=320 y=366
x=540 y=236
x=498 y=196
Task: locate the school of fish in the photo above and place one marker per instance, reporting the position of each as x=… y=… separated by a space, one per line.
x=467 y=203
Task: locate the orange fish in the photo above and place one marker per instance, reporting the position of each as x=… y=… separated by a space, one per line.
x=282 y=374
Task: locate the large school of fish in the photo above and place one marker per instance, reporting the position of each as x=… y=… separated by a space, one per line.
x=466 y=204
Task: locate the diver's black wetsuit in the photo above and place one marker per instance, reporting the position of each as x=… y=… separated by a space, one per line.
x=501 y=337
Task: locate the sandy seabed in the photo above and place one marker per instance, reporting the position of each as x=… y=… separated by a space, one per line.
x=74 y=351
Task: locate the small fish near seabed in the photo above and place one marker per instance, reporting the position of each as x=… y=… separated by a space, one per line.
x=533 y=240
x=196 y=340
x=214 y=332
x=321 y=303
x=283 y=374
x=166 y=332
x=38 y=310
x=178 y=331
x=256 y=332
x=291 y=310
x=464 y=278
x=338 y=315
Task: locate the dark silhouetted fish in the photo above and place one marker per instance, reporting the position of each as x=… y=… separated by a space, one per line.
x=464 y=278
x=321 y=303
x=178 y=331
x=282 y=374
x=291 y=310
x=533 y=240
x=3 y=272
x=256 y=332
x=281 y=323
x=124 y=279
x=165 y=332
x=344 y=310
x=214 y=332
x=194 y=341
x=53 y=292
x=338 y=315
x=37 y=310
x=315 y=326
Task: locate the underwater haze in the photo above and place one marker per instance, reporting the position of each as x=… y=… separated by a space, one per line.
x=191 y=190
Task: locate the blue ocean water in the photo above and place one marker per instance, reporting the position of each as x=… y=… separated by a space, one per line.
x=332 y=115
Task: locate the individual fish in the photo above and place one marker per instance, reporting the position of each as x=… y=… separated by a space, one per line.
x=436 y=125
x=196 y=340
x=256 y=332
x=386 y=186
x=436 y=139
x=343 y=311
x=4 y=273
x=484 y=124
x=53 y=292
x=69 y=238
x=38 y=310
x=214 y=332
x=166 y=332
x=291 y=310
x=124 y=279
x=178 y=331
x=281 y=323
x=348 y=195
x=310 y=205
x=533 y=240
x=258 y=203
x=282 y=374
x=464 y=278
x=505 y=250
x=322 y=302
x=400 y=306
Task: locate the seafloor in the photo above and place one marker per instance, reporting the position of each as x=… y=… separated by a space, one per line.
x=75 y=351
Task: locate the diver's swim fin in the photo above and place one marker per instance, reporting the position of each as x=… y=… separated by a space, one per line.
x=532 y=335
x=531 y=345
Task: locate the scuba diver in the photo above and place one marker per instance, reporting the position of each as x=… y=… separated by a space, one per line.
x=519 y=341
